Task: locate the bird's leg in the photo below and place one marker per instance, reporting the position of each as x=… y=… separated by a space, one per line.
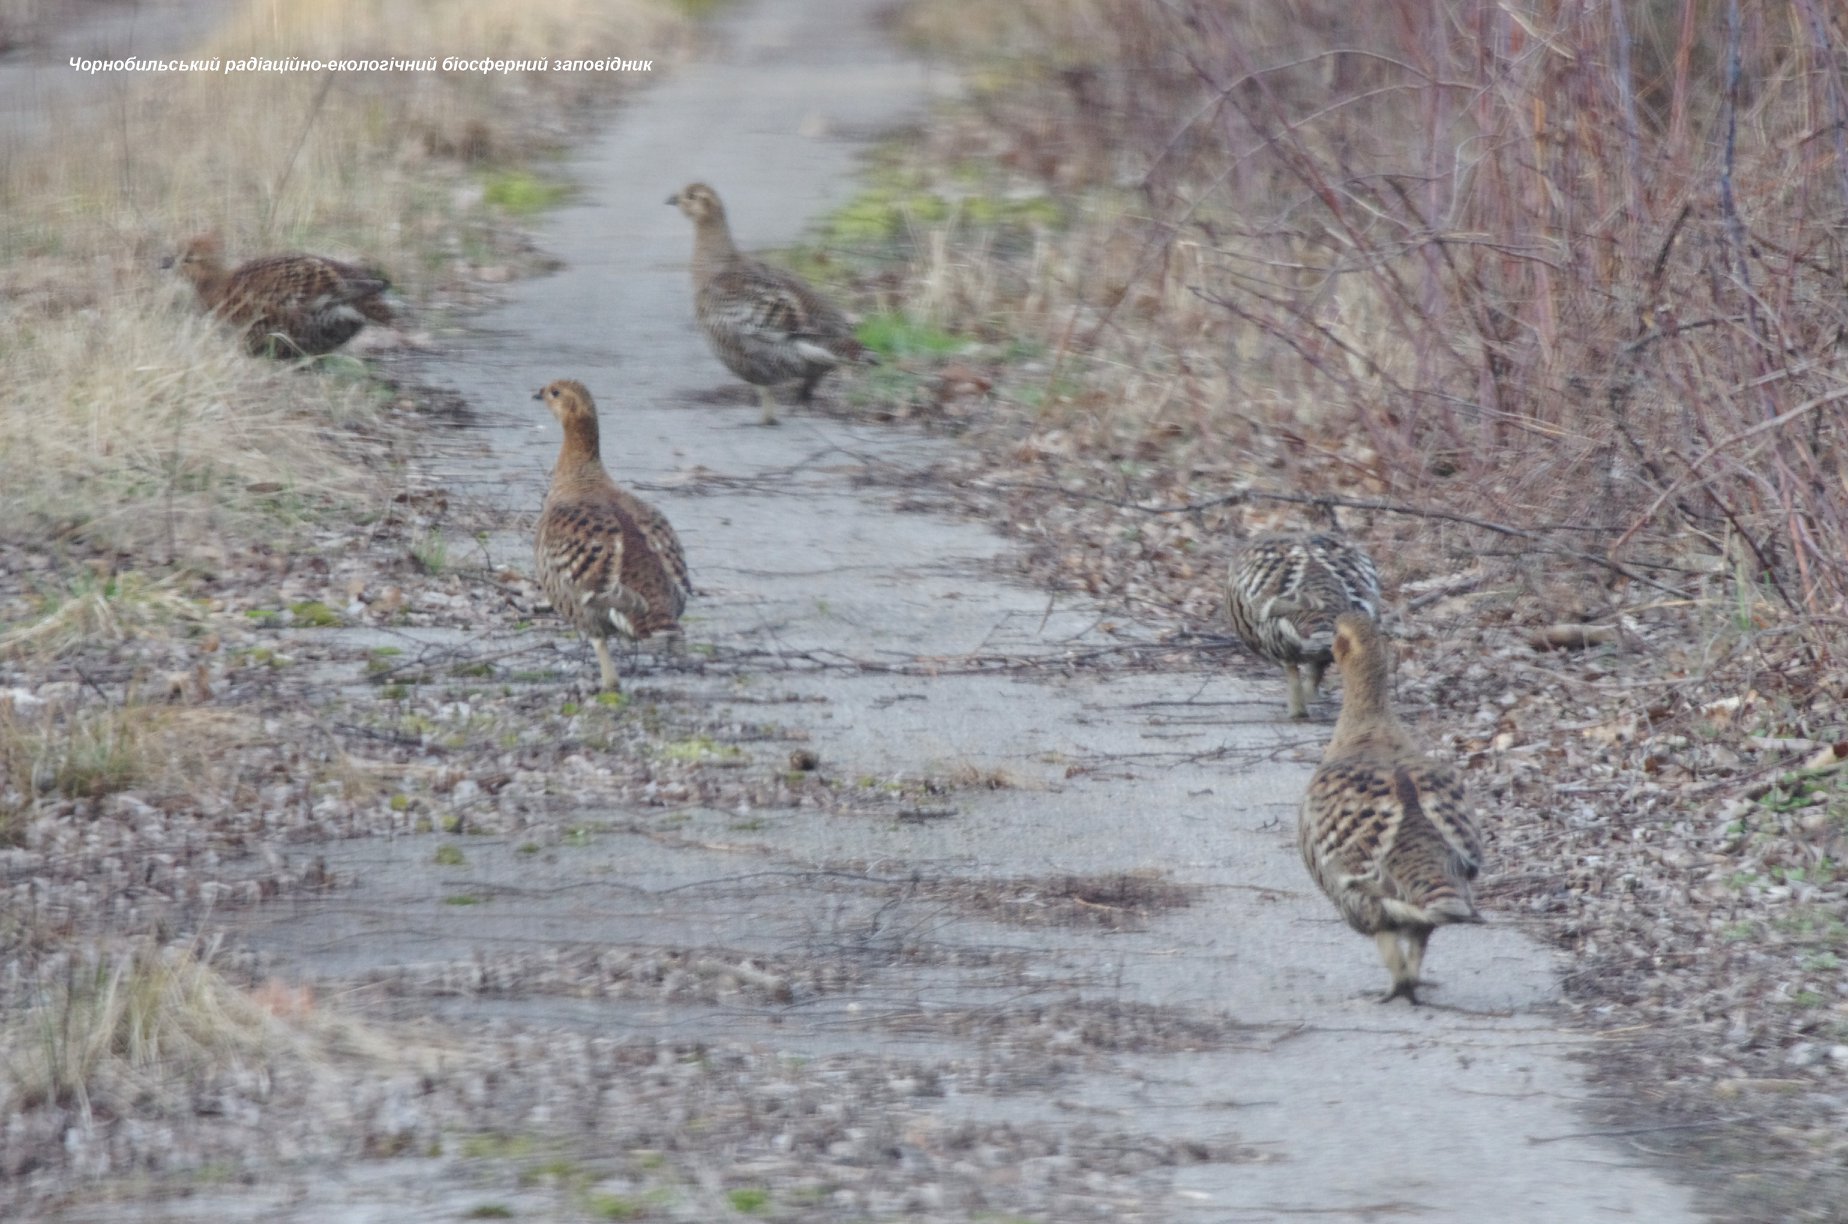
x=1315 y=679
x=809 y=380
x=1298 y=707
x=769 y=402
x=608 y=665
x=1402 y=983
x=1415 y=941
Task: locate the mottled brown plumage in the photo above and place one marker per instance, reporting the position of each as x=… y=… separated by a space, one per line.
x=1384 y=829
x=285 y=305
x=766 y=325
x=1283 y=594
x=607 y=560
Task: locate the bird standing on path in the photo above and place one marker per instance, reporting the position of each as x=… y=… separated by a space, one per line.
x=1383 y=829
x=766 y=325
x=1284 y=593
x=609 y=562
x=286 y=305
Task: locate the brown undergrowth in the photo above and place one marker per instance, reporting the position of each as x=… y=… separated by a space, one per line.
x=1546 y=306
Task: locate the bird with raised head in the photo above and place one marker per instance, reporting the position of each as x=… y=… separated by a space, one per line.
x=609 y=562
x=1384 y=829
x=285 y=305
x=1283 y=593
x=766 y=325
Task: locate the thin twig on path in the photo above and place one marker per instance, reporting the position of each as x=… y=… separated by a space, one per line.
x=1532 y=534
x=1620 y=1132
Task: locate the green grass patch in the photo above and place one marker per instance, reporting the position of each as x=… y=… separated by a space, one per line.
x=884 y=214
x=1739 y=932
x=614 y=1207
x=1028 y=213
x=880 y=214
x=749 y=1200
x=313 y=614
x=430 y=552
x=521 y=193
x=899 y=335
x=449 y=856
x=491 y=1146
x=700 y=749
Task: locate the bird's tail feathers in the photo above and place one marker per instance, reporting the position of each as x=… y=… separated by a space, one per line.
x=849 y=348
x=1437 y=911
x=1310 y=621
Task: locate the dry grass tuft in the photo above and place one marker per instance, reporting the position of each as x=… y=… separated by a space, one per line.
x=141 y=429
x=967 y=775
x=48 y=754
x=143 y=1028
x=150 y=1032
x=97 y=608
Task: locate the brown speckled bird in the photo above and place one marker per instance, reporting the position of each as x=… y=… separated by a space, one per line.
x=1284 y=593
x=286 y=305
x=607 y=560
x=766 y=325
x=1384 y=829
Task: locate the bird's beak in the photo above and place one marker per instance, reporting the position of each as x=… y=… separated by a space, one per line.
x=539 y=394
x=674 y=199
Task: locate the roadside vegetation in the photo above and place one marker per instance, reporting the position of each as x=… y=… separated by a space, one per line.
x=126 y=423
x=1546 y=304
x=171 y=506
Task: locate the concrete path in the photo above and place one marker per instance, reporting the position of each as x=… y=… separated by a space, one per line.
x=1240 y=1022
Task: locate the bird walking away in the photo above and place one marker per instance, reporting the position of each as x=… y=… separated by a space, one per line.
x=766 y=325
x=1283 y=594
x=609 y=562
x=1384 y=830
x=285 y=305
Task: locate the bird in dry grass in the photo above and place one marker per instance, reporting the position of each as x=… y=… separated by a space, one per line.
x=285 y=305
x=1384 y=830
x=1284 y=593
x=766 y=325
x=607 y=560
